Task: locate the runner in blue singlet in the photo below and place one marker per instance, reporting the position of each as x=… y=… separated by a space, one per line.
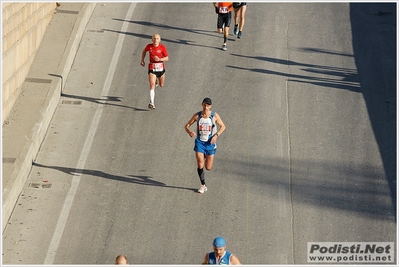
x=220 y=256
x=207 y=134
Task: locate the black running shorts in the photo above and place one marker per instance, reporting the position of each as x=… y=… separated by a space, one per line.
x=224 y=19
x=239 y=4
x=157 y=73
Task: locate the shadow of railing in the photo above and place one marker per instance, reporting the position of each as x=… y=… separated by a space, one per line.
x=342 y=186
x=374 y=45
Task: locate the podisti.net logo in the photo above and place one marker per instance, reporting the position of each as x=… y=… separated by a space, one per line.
x=351 y=252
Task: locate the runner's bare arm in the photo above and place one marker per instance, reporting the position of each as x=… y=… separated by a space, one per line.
x=165 y=58
x=193 y=119
x=221 y=124
x=222 y=127
x=234 y=260
x=156 y=58
x=205 y=259
x=142 y=63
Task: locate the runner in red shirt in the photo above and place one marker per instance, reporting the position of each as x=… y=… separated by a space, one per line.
x=156 y=68
x=223 y=9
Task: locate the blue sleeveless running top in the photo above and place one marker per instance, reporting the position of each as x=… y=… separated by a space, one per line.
x=205 y=127
x=225 y=260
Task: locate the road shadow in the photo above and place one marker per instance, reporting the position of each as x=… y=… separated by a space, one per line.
x=167 y=40
x=339 y=186
x=374 y=40
x=135 y=179
x=106 y=100
x=168 y=27
x=374 y=32
x=341 y=78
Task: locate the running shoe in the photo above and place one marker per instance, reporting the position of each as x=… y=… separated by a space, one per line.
x=235 y=29
x=239 y=36
x=151 y=106
x=224 y=47
x=202 y=189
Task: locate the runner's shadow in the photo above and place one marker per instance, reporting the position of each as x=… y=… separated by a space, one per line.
x=136 y=179
x=105 y=101
x=163 y=26
x=166 y=40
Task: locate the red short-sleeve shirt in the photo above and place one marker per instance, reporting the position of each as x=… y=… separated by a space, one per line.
x=159 y=51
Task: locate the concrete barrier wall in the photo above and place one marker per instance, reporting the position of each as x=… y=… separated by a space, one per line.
x=69 y=45
x=24 y=25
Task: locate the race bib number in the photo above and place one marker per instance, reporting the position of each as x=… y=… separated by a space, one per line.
x=223 y=9
x=157 y=67
x=205 y=128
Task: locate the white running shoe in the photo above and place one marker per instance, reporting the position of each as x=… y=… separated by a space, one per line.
x=202 y=189
x=151 y=106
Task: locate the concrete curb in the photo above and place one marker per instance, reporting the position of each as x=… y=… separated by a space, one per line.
x=23 y=163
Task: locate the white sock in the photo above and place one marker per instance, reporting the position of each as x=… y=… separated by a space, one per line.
x=152 y=96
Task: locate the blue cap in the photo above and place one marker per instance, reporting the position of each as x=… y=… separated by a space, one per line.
x=219 y=242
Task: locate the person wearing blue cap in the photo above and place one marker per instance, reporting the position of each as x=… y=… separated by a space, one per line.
x=207 y=134
x=220 y=256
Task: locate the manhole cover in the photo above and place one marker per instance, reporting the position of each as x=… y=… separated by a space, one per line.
x=70 y=102
x=99 y=31
x=37 y=80
x=9 y=160
x=67 y=11
x=40 y=185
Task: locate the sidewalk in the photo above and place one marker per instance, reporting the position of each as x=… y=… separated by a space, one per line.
x=26 y=126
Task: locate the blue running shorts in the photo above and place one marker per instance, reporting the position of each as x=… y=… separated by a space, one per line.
x=204 y=147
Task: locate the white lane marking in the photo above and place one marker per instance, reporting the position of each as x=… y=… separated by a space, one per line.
x=278 y=97
x=282 y=200
x=279 y=143
x=66 y=208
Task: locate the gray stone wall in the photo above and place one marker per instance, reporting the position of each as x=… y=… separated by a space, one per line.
x=24 y=25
